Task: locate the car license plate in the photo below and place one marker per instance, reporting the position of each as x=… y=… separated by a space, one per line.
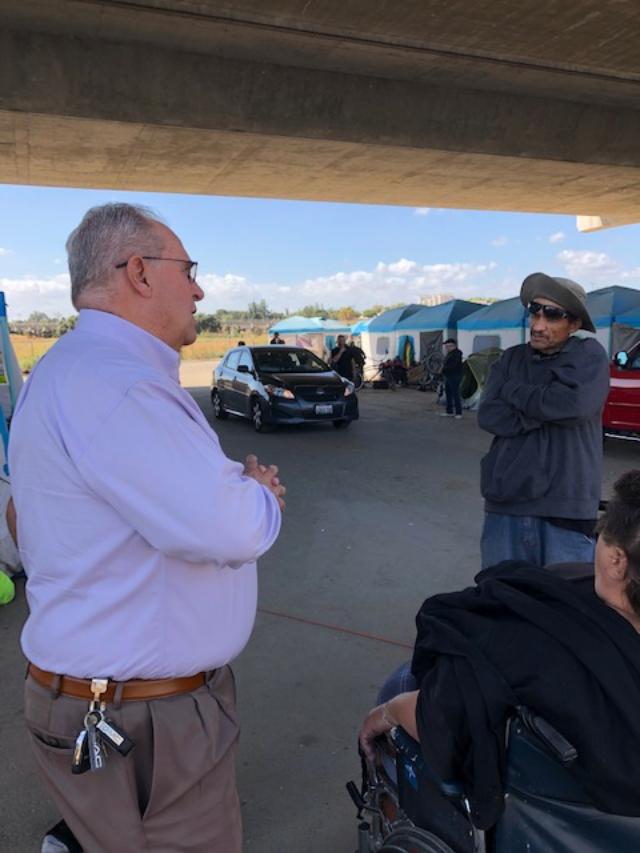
x=324 y=409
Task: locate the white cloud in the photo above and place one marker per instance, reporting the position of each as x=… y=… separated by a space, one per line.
x=4 y=252
x=402 y=280
x=422 y=211
x=500 y=241
x=590 y=267
x=29 y=293
x=558 y=237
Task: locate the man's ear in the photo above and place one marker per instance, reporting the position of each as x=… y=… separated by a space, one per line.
x=617 y=563
x=575 y=325
x=136 y=277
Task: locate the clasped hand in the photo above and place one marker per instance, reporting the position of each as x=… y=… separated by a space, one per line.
x=267 y=475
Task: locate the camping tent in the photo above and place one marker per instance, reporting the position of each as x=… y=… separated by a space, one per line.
x=425 y=330
x=610 y=308
x=500 y=325
x=380 y=338
x=315 y=333
x=625 y=331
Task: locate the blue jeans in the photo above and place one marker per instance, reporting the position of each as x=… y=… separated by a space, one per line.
x=452 y=394
x=523 y=537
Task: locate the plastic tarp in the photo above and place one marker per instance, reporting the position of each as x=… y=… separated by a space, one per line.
x=474 y=376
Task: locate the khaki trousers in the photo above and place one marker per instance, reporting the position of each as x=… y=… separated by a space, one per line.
x=176 y=790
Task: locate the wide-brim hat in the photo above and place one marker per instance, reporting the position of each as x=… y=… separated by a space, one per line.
x=568 y=294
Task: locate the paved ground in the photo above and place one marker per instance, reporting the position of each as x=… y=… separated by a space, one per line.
x=379 y=516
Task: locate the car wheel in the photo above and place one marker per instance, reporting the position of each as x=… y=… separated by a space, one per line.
x=257 y=416
x=218 y=408
x=341 y=424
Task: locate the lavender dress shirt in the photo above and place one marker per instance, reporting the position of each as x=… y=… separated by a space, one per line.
x=138 y=535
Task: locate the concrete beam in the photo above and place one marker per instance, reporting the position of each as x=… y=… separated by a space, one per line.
x=128 y=115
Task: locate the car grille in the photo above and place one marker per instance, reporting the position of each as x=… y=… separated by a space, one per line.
x=318 y=393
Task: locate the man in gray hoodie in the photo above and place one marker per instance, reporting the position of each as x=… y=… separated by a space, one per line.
x=542 y=476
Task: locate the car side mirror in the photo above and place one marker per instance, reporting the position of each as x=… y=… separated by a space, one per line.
x=243 y=368
x=621 y=358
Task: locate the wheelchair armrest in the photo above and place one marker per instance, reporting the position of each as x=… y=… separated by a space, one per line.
x=556 y=743
x=410 y=750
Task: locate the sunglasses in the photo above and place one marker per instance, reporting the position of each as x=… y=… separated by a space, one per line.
x=549 y=312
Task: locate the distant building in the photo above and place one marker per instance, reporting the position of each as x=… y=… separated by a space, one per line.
x=436 y=299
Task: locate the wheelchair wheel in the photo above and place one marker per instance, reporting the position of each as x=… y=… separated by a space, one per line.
x=413 y=840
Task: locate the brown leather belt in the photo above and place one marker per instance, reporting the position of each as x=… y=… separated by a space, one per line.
x=138 y=689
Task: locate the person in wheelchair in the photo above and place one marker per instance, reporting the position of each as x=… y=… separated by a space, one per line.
x=563 y=641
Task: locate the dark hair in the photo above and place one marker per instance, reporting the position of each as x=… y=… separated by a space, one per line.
x=620 y=525
x=451 y=341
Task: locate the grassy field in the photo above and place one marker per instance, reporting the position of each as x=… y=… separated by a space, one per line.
x=28 y=349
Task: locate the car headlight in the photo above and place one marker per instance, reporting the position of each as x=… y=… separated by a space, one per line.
x=276 y=391
x=349 y=388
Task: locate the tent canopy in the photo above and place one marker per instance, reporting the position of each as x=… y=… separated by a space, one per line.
x=360 y=327
x=298 y=325
x=608 y=304
x=443 y=316
x=507 y=314
x=388 y=320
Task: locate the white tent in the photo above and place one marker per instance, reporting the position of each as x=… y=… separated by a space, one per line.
x=315 y=333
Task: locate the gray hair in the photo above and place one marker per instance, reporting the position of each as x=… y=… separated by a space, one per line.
x=108 y=235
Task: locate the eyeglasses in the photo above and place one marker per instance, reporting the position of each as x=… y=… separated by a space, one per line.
x=191 y=267
x=550 y=312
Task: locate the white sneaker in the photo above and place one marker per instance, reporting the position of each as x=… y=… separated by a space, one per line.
x=458 y=417
x=445 y=414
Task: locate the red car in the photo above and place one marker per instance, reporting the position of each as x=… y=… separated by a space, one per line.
x=621 y=414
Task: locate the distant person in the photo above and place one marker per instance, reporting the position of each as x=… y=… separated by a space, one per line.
x=399 y=371
x=542 y=477
x=342 y=358
x=139 y=538
x=241 y=344
x=276 y=339
x=452 y=374
x=358 y=354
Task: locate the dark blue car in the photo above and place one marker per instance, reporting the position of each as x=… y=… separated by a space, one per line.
x=281 y=385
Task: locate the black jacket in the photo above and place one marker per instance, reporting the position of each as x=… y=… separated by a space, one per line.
x=452 y=365
x=529 y=636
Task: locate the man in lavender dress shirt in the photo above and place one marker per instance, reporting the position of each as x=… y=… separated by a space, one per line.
x=140 y=539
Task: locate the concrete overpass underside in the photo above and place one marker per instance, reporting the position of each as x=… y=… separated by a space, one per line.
x=488 y=104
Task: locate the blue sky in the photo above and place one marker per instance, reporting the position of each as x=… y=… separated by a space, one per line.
x=296 y=253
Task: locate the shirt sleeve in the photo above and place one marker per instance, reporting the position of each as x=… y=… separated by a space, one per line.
x=576 y=391
x=498 y=416
x=162 y=469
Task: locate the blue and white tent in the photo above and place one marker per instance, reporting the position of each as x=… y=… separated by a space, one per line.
x=359 y=328
x=610 y=307
x=502 y=324
x=315 y=333
x=426 y=329
x=380 y=338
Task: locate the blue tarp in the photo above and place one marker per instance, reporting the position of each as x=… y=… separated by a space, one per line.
x=507 y=314
x=629 y=318
x=297 y=325
x=445 y=316
x=388 y=321
x=606 y=305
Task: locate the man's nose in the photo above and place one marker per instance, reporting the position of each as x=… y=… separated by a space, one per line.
x=198 y=292
x=538 y=322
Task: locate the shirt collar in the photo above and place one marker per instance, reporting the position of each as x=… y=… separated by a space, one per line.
x=144 y=345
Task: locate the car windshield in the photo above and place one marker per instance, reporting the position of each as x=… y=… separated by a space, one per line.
x=281 y=360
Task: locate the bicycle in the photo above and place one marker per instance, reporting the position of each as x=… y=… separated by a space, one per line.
x=432 y=376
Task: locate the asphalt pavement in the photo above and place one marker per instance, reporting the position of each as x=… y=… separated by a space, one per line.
x=378 y=517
